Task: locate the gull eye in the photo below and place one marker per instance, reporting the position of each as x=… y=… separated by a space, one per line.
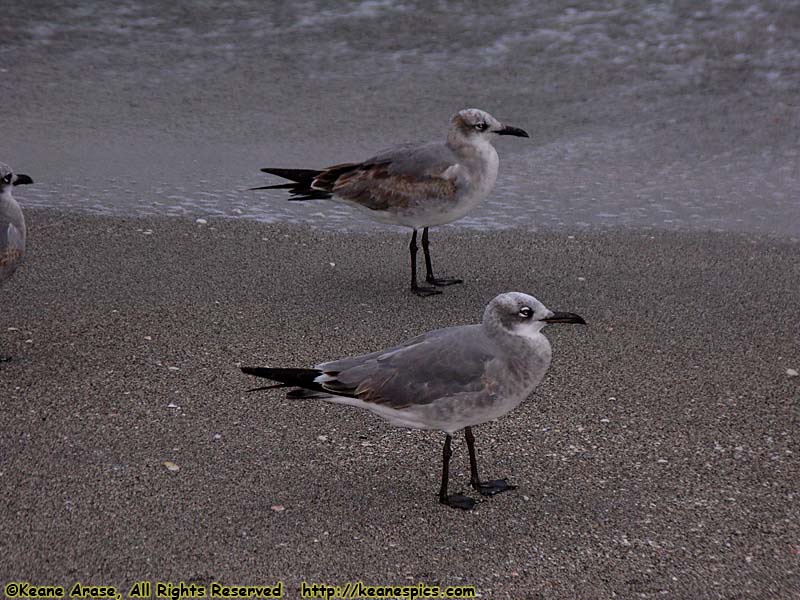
x=7 y=178
x=526 y=312
x=481 y=126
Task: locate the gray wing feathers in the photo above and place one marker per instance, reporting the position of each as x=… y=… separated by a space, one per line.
x=430 y=160
x=435 y=365
x=402 y=176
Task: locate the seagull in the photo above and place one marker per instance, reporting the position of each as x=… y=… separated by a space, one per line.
x=12 y=224
x=448 y=379
x=413 y=185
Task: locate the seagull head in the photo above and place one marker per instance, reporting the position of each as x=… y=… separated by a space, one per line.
x=522 y=314
x=8 y=179
x=474 y=123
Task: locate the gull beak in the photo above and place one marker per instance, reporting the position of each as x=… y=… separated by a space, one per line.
x=508 y=130
x=21 y=179
x=564 y=317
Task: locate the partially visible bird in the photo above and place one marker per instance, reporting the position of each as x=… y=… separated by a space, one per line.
x=12 y=224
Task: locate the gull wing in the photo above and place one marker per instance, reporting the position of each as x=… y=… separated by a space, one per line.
x=434 y=365
x=393 y=179
x=396 y=178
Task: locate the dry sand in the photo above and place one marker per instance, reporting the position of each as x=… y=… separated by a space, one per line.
x=658 y=457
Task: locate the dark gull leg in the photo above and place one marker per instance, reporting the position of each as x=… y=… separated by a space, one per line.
x=428 y=266
x=486 y=488
x=454 y=500
x=419 y=291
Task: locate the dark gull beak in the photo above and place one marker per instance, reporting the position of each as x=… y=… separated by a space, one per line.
x=564 y=317
x=21 y=179
x=508 y=130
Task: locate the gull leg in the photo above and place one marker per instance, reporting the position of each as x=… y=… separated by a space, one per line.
x=485 y=488
x=419 y=291
x=428 y=266
x=454 y=500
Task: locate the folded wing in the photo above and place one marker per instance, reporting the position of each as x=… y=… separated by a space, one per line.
x=438 y=364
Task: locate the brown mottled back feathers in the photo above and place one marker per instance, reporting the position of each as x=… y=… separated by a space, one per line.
x=374 y=186
x=327 y=178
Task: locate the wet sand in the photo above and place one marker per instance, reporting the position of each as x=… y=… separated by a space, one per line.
x=658 y=456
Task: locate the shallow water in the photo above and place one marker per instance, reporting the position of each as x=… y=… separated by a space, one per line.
x=677 y=115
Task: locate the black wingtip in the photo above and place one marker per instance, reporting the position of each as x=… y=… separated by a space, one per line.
x=314 y=195
x=303 y=378
x=300 y=188
x=261 y=372
x=279 y=186
x=257 y=371
x=305 y=176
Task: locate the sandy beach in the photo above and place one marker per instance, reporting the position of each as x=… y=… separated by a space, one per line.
x=657 y=197
x=659 y=456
